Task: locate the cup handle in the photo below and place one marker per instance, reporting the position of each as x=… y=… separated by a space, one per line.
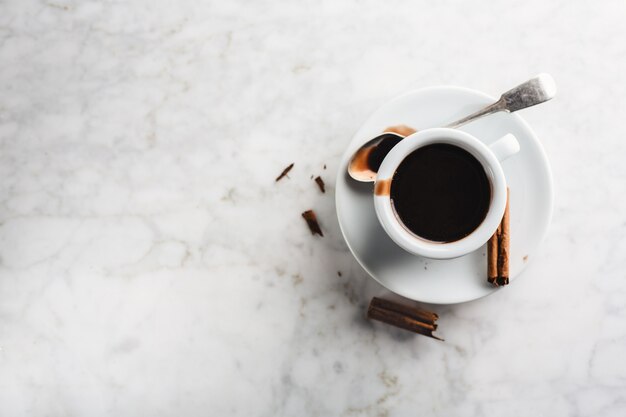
x=505 y=147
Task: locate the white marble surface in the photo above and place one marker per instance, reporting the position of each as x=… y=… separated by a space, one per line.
x=150 y=266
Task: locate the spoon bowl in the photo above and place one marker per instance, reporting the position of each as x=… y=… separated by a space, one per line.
x=365 y=162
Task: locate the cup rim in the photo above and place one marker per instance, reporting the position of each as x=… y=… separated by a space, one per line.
x=442 y=250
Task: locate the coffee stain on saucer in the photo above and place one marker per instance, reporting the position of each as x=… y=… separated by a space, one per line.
x=403 y=130
x=383 y=187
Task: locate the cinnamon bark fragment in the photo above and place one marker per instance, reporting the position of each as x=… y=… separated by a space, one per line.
x=320 y=183
x=311 y=221
x=284 y=173
x=403 y=316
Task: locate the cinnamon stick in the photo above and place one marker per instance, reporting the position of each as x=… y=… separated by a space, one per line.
x=498 y=250
x=404 y=317
x=492 y=257
x=504 y=246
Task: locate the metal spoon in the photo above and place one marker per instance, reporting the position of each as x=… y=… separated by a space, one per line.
x=367 y=159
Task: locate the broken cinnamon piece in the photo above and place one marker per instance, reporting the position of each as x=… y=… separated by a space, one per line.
x=311 y=221
x=284 y=173
x=320 y=183
x=498 y=250
x=405 y=317
x=403 y=130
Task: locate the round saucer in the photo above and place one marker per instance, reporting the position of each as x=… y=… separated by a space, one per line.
x=454 y=280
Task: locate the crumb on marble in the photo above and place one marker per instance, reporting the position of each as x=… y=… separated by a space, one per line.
x=297 y=69
x=58 y=6
x=230 y=195
x=525 y=258
x=297 y=279
x=388 y=379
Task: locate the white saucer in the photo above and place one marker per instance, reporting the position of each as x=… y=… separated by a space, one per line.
x=465 y=278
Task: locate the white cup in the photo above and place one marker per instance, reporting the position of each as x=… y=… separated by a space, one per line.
x=489 y=157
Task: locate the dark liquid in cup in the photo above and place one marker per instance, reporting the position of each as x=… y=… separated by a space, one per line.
x=441 y=192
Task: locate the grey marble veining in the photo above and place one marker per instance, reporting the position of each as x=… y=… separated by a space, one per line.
x=149 y=265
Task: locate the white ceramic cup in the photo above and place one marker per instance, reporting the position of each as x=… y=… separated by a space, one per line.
x=490 y=158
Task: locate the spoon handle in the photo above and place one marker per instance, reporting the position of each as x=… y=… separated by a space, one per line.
x=534 y=91
x=499 y=105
